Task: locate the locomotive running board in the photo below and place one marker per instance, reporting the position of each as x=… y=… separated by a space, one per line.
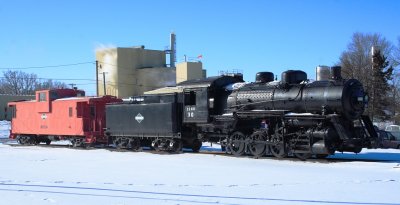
x=261 y=113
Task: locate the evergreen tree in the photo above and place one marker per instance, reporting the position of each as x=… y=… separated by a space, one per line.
x=380 y=100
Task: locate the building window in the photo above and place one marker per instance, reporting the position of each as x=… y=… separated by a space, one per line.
x=70 y=111
x=42 y=97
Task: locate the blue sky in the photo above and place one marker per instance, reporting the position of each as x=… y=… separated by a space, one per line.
x=250 y=35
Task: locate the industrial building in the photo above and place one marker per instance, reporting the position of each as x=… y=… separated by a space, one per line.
x=131 y=71
x=5 y=98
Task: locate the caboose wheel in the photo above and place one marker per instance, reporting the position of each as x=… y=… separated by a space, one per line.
x=256 y=146
x=277 y=149
x=237 y=144
x=48 y=142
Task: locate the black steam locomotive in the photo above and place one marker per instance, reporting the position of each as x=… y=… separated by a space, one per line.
x=289 y=117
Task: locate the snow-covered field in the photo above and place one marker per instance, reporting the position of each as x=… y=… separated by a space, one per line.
x=40 y=175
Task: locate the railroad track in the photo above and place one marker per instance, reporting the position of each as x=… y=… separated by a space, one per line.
x=202 y=152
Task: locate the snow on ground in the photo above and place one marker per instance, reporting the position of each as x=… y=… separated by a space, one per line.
x=4 y=129
x=39 y=175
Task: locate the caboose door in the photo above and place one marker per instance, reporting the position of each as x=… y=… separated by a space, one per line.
x=94 y=121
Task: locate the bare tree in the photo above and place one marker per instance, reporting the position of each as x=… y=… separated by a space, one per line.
x=18 y=82
x=356 y=63
x=49 y=84
x=21 y=83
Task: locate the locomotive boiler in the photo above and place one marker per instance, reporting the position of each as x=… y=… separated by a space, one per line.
x=296 y=94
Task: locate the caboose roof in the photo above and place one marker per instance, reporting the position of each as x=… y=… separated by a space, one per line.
x=77 y=98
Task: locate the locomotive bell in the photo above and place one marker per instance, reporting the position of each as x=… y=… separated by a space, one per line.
x=264 y=77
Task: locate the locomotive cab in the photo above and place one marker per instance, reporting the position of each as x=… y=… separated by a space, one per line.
x=204 y=98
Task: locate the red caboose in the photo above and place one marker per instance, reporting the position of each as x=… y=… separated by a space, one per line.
x=60 y=114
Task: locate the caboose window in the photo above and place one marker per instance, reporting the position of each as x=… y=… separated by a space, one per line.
x=70 y=111
x=42 y=97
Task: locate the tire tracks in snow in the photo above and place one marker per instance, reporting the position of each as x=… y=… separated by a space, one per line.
x=19 y=187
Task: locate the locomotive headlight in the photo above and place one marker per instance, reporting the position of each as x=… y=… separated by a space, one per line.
x=358 y=100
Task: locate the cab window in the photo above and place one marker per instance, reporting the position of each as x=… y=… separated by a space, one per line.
x=190 y=98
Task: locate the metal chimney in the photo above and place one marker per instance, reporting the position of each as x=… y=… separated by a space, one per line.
x=172 y=55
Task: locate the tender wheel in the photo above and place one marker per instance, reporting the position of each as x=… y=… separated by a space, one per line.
x=277 y=149
x=176 y=146
x=121 y=143
x=156 y=145
x=196 y=145
x=256 y=147
x=135 y=144
x=237 y=144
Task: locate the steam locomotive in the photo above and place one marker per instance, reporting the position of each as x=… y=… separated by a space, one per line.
x=293 y=116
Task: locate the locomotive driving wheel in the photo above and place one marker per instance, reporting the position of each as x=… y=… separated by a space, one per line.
x=237 y=144
x=277 y=148
x=257 y=147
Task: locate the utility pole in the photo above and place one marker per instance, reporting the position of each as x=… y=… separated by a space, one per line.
x=97 y=78
x=104 y=82
x=72 y=85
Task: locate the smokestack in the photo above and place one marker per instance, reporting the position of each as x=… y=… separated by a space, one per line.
x=172 y=55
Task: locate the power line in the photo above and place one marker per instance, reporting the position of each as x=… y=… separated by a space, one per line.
x=72 y=79
x=48 y=66
x=78 y=79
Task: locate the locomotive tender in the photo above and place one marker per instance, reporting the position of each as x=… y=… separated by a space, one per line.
x=291 y=117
